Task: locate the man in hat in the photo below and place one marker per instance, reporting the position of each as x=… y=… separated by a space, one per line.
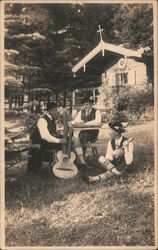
x=44 y=134
x=88 y=115
x=119 y=154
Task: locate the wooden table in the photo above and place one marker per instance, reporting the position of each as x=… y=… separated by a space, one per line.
x=77 y=128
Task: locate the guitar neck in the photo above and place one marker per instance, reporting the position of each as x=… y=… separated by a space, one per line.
x=69 y=141
x=65 y=134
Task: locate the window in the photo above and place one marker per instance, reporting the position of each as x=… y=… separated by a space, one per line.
x=80 y=94
x=121 y=79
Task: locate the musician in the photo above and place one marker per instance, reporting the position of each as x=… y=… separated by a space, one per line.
x=119 y=155
x=88 y=115
x=44 y=134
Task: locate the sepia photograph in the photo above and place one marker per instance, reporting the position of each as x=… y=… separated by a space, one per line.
x=79 y=121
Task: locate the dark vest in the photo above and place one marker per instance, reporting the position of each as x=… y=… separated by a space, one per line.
x=51 y=125
x=89 y=117
x=120 y=158
x=36 y=137
x=121 y=144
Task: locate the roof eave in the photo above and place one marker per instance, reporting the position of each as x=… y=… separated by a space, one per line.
x=87 y=58
x=102 y=46
x=122 y=51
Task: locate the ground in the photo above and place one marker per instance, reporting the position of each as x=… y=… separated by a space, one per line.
x=46 y=211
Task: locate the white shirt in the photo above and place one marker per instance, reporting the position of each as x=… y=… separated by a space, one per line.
x=96 y=121
x=43 y=129
x=128 y=151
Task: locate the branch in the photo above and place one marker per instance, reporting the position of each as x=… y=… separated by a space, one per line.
x=10 y=81
x=10 y=52
x=34 y=36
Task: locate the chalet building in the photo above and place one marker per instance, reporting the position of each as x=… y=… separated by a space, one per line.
x=126 y=72
x=114 y=66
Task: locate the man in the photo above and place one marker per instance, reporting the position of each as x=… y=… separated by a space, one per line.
x=119 y=155
x=44 y=134
x=87 y=116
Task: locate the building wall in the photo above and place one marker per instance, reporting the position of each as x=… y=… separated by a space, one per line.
x=134 y=71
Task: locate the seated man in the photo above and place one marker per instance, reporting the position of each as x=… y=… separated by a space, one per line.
x=119 y=155
x=45 y=135
x=87 y=116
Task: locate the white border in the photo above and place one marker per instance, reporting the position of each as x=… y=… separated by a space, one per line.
x=2 y=169
x=2 y=172
x=156 y=121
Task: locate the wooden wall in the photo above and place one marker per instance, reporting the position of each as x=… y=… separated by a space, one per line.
x=137 y=73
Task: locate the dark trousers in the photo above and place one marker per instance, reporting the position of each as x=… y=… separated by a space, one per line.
x=39 y=155
x=35 y=160
x=87 y=136
x=120 y=164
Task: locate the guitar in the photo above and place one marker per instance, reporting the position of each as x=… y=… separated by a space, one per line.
x=65 y=167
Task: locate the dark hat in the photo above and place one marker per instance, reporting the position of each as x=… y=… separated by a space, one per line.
x=51 y=105
x=88 y=99
x=117 y=126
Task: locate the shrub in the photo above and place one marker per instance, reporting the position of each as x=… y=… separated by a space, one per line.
x=135 y=100
x=128 y=104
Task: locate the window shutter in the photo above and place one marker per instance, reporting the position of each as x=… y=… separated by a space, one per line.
x=132 y=77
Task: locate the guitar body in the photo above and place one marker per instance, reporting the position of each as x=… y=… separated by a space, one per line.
x=65 y=168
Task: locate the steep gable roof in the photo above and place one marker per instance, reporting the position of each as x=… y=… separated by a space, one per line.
x=102 y=46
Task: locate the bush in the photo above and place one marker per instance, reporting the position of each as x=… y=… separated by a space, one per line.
x=135 y=100
x=128 y=104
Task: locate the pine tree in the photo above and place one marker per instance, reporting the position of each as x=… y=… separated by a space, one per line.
x=133 y=25
x=20 y=66
x=19 y=54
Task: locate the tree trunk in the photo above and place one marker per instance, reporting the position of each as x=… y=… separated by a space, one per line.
x=64 y=101
x=56 y=98
x=71 y=101
x=10 y=102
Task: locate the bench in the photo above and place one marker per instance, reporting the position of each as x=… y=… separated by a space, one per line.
x=92 y=145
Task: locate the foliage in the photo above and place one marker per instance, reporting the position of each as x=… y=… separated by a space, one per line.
x=125 y=104
x=44 y=41
x=19 y=64
x=134 y=100
x=71 y=32
x=133 y=25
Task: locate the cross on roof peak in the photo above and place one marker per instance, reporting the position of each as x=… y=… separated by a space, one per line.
x=100 y=31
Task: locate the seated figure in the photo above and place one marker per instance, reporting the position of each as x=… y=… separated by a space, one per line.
x=46 y=136
x=88 y=115
x=119 y=155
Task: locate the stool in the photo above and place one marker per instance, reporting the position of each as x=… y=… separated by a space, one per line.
x=94 y=149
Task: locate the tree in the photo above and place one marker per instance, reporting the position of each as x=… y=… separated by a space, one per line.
x=19 y=66
x=133 y=25
x=75 y=35
x=70 y=32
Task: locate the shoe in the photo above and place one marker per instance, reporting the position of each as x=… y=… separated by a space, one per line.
x=85 y=178
x=88 y=166
x=91 y=180
x=88 y=179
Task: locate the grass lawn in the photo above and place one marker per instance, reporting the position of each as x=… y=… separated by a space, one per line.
x=46 y=211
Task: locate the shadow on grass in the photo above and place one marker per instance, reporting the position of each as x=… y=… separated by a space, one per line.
x=126 y=220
